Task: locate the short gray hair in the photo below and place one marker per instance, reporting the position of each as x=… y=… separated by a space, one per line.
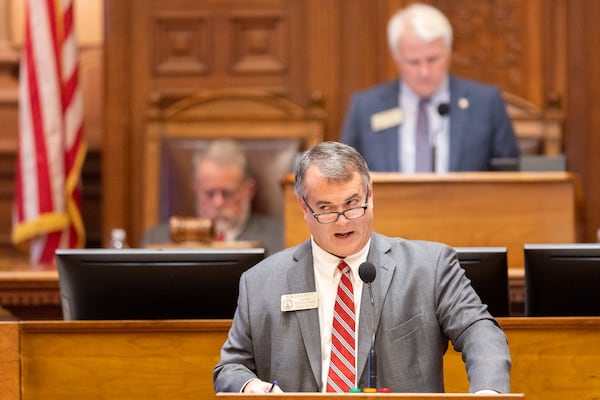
x=224 y=152
x=335 y=161
x=428 y=22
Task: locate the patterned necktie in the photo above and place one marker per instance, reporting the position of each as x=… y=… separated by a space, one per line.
x=423 y=155
x=342 y=368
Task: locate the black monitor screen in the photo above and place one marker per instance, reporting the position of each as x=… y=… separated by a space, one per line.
x=487 y=269
x=562 y=279
x=99 y=284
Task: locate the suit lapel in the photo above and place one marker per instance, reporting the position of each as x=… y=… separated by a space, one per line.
x=369 y=315
x=389 y=98
x=301 y=279
x=459 y=98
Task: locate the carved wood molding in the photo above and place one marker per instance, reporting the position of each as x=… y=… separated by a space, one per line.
x=234 y=104
x=182 y=43
x=543 y=129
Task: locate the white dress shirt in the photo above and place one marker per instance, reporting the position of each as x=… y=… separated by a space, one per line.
x=327 y=278
x=439 y=128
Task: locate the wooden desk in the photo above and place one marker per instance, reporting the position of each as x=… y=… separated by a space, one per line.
x=369 y=396
x=503 y=209
x=28 y=294
x=553 y=358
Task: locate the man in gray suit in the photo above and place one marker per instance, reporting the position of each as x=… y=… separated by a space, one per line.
x=465 y=123
x=224 y=190
x=284 y=328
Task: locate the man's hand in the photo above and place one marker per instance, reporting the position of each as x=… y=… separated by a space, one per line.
x=258 y=386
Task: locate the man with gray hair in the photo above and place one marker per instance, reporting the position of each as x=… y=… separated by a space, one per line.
x=306 y=321
x=224 y=189
x=428 y=120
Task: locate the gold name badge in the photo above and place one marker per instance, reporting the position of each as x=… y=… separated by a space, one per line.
x=299 y=301
x=386 y=119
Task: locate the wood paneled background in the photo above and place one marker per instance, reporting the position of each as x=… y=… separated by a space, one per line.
x=320 y=51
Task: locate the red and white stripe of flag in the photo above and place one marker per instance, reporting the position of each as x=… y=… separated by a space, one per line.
x=47 y=211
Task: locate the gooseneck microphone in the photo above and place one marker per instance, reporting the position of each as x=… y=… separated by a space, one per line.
x=443 y=110
x=367 y=273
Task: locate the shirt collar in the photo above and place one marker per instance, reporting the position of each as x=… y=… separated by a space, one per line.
x=442 y=95
x=327 y=262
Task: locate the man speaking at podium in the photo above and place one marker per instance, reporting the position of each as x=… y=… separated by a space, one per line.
x=306 y=321
x=428 y=120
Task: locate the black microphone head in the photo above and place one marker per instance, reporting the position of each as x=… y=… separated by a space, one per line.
x=443 y=109
x=367 y=272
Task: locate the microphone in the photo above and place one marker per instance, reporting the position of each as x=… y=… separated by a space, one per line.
x=443 y=110
x=367 y=273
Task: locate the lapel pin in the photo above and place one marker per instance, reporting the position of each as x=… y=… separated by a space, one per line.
x=463 y=103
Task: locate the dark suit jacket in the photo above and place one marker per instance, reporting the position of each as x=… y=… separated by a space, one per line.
x=266 y=230
x=478 y=133
x=422 y=300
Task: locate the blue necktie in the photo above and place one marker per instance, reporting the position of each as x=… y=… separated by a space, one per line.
x=423 y=154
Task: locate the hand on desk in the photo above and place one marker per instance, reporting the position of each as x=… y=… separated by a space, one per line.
x=486 y=392
x=258 y=386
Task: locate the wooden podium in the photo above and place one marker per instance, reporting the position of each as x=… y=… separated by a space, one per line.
x=552 y=359
x=506 y=209
x=369 y=396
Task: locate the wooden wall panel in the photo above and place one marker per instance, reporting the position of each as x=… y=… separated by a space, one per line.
x=162 y=51
x=227 y=43
x=553 y=48
x=582 y=104
x=326 y=50
x=118 y=117
x=498 y=42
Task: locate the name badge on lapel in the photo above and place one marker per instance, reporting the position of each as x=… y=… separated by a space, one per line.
x=386 y=119
x=299 y=301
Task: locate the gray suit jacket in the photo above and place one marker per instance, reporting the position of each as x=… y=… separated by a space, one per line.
x=478 y=133
x=264 y=229
x=422 y=300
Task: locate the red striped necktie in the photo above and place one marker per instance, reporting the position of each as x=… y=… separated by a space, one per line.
x=342 y=368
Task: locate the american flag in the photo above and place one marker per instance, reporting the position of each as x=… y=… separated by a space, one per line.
x=47 y=210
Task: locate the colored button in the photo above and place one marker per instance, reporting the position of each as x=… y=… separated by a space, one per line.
x=354 y=390
x=369 y=390
x=385 y=390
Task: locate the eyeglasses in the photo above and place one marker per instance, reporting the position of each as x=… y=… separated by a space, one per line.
x=333 y=216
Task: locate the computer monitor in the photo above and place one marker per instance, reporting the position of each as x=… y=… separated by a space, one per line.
x=487 y=268
x=103 y=284
x=562 y=279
